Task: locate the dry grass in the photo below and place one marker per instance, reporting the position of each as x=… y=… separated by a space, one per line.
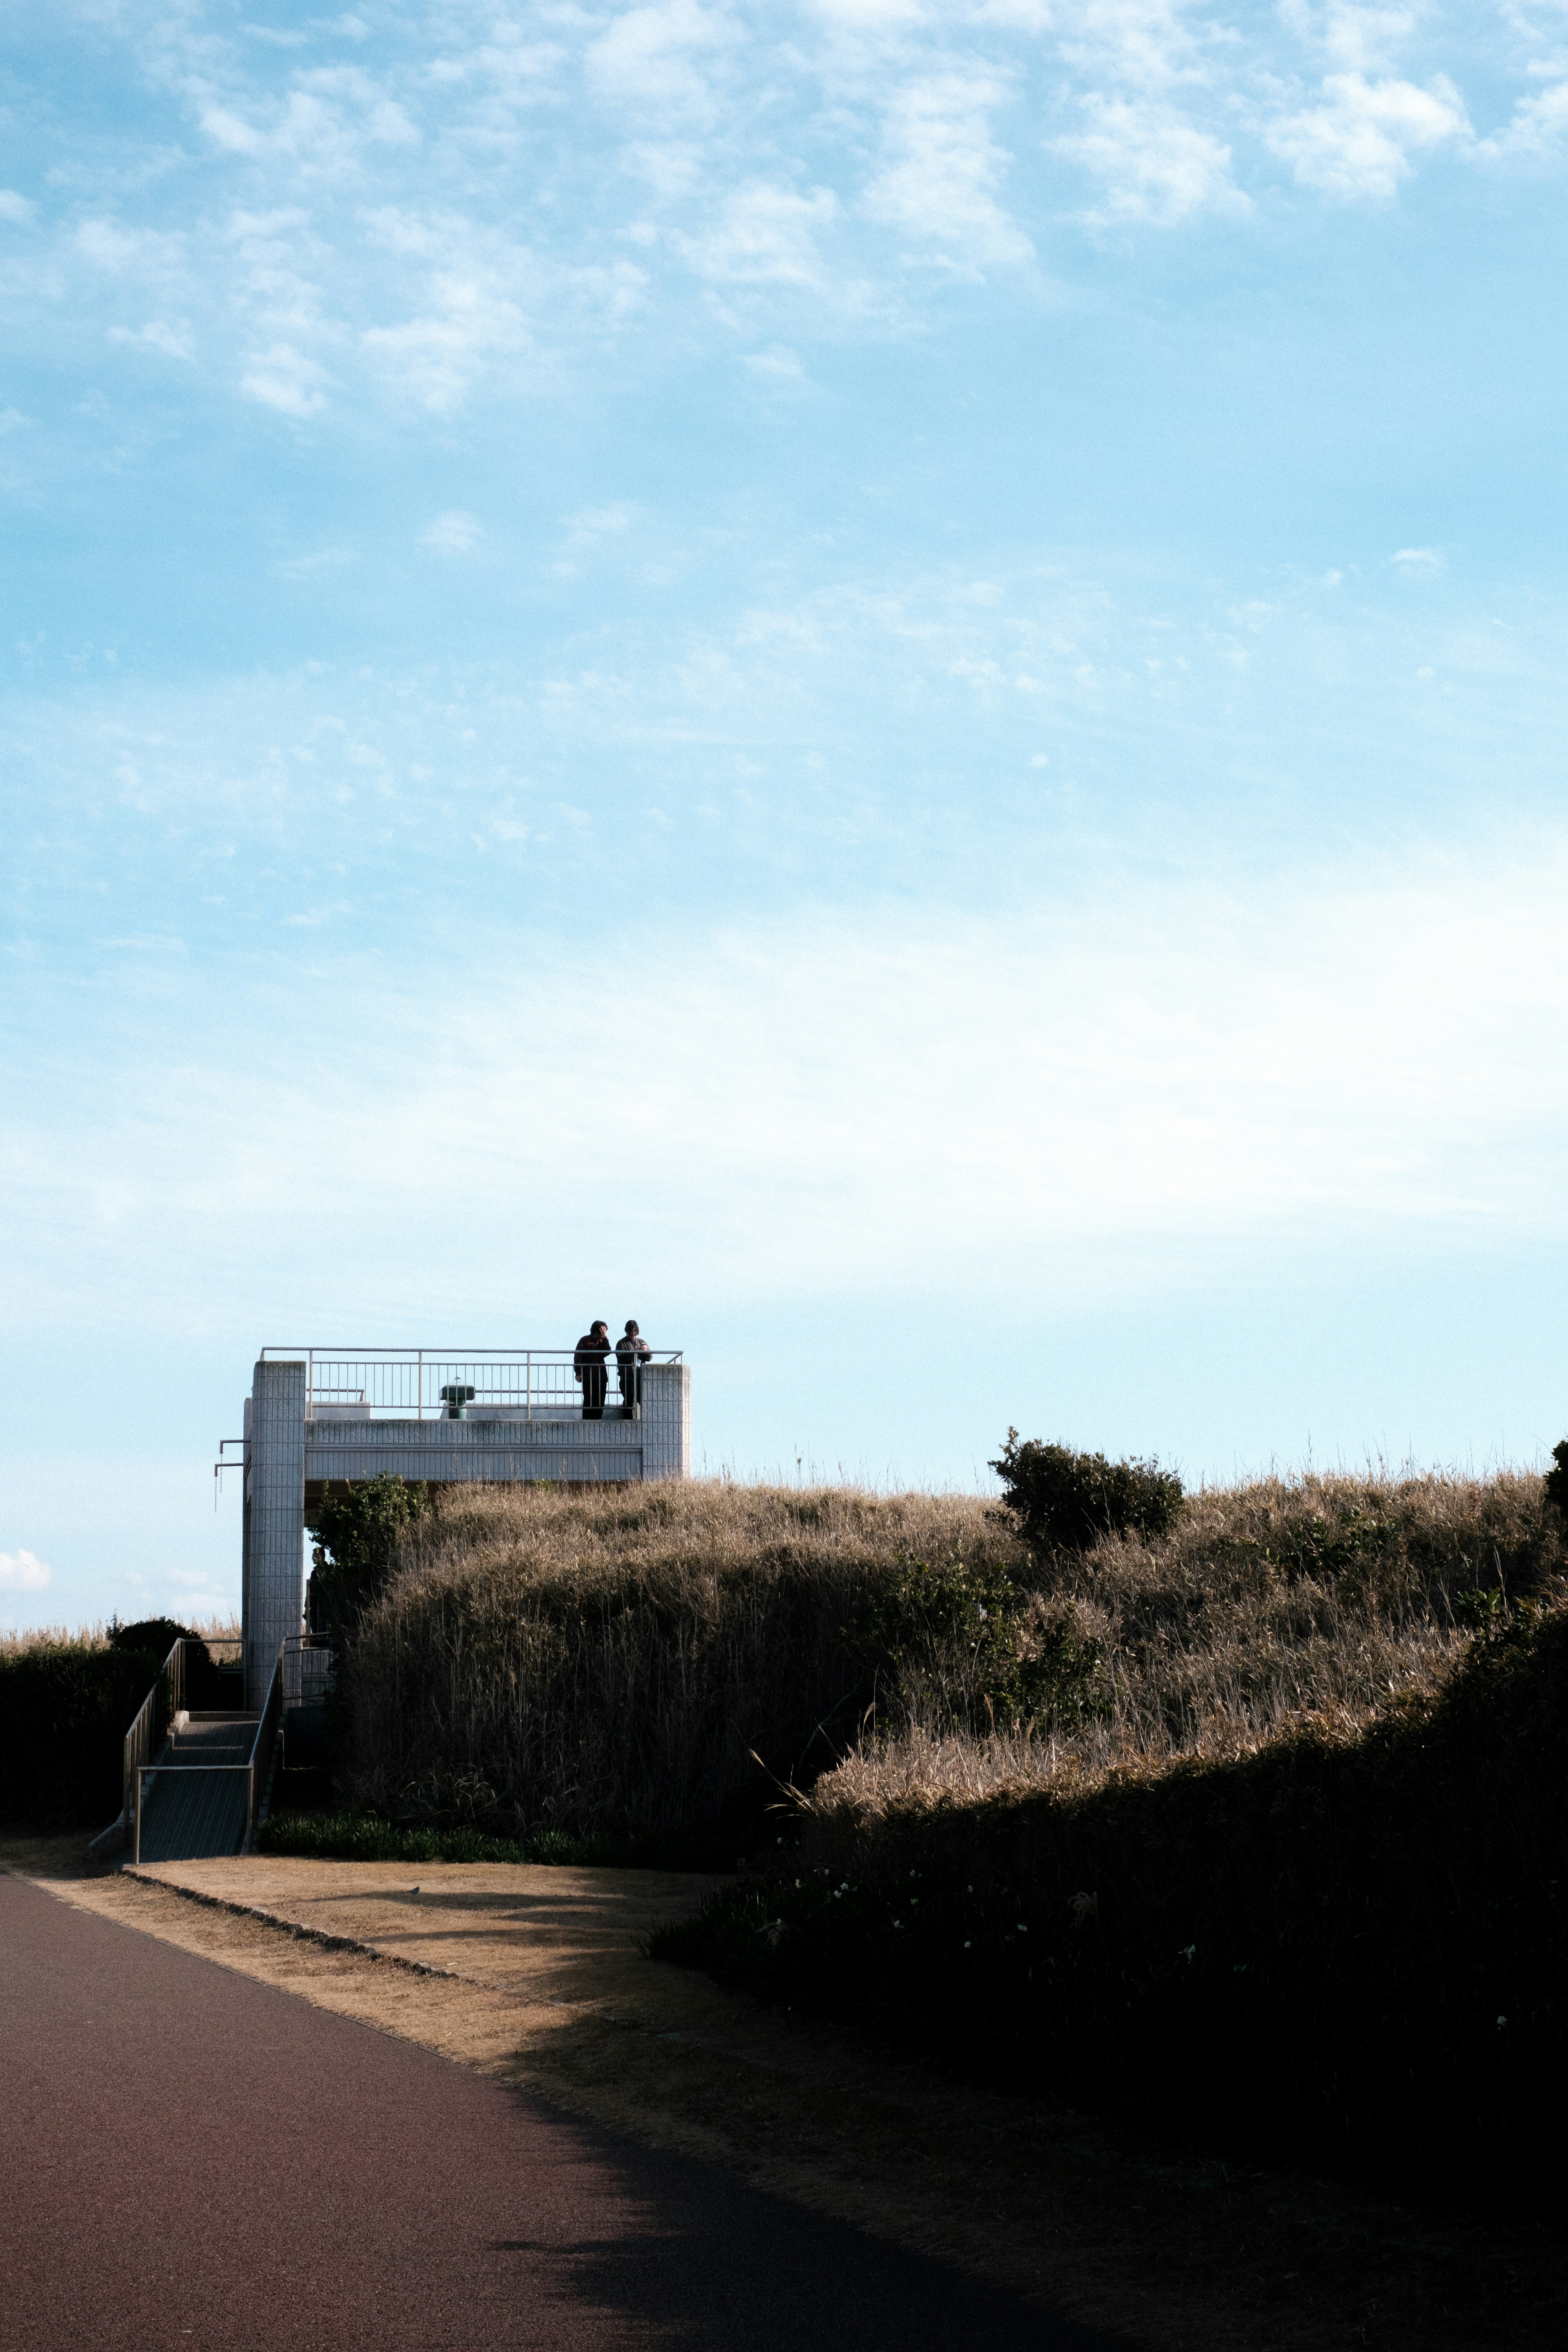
x=543 y=1658
x=612 y=1661
x=1272 y=1607
x=14 y=1644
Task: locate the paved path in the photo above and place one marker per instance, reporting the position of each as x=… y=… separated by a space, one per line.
x=189 y=2158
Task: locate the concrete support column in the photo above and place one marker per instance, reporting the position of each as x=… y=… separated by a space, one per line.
x=274 y=1520
x=667 y=1420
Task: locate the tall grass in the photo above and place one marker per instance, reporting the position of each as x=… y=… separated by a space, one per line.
x=1273 y=1607
x=14 y=1644
x=612 y=1662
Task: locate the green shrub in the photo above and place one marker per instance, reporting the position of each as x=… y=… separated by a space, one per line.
x=1065 y=1501
x=1557 y=1479
x=953 y=1645
x=354 y=1542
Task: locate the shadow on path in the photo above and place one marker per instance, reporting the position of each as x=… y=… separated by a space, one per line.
x=192 y=2158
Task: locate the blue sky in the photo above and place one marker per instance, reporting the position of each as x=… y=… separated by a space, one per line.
x=882 y=682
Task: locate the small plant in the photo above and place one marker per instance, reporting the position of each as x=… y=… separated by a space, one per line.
x=354 y=1536
x=955 y=1635
x=1327 y=1549
x=151 y=1637
x=1065 y=1501
x=1557 y=1481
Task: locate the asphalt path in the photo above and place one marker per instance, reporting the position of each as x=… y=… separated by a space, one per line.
x=189 y=2157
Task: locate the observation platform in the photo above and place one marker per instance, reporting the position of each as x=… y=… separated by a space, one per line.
x=318 y=1419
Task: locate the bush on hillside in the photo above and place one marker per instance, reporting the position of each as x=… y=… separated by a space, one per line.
x=958 y=1642
x=1557 y=1480
x=152 y=1637
x=1065 y=1501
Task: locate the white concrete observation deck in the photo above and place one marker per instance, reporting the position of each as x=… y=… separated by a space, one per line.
x=319 y=1418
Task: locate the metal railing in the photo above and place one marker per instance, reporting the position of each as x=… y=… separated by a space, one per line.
x=257 y=1765
x=308 y=1663
x=159 y=1708
x=481 y=1384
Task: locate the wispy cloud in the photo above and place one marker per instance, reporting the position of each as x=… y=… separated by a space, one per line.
x=453 y=533
x=1362 y=140
x=943 y=171
x=1152 y=165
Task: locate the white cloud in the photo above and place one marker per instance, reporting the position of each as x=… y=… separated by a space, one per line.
x=171 y=338
x=1360 y=142
x=22 y=1571
x=1153 y=165
x=436 y=359
x=1418 y=558
x=14 y=206
x=1359 y=38
x=286 y=380
x=649 y=57
x=765 y=235
x=1536 y=129
x=328 y=120
x=939 y=182
x=1326 y=1056
x=319 y=560
x=778 y=364
x=453 y=533
x=120 y=250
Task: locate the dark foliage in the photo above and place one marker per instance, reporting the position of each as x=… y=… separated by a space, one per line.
x=151 y=1637
x=1065 y=1501
x=365 y=1837
x=64 y=1713
x=1557 y=1479
x=1352 y=1955
x=353 y=1539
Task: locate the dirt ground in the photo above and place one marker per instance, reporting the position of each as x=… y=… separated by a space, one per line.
x=534 y=1976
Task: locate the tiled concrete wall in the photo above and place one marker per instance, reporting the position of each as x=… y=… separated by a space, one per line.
x=274 y=1520
x=506 y=1450
x=667 y=1420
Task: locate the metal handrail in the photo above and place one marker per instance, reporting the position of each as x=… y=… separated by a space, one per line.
x=410 y=1381
x=142 y=1740
x=256 y=1764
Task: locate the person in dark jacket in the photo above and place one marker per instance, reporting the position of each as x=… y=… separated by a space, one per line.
x=590 y=1360
x=631 y=1353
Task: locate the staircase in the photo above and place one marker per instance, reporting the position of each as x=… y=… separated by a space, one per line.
x=194 y=1783
x=195 y=1798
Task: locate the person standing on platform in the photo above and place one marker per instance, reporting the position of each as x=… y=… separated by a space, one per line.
x=631 y=1353
x=590 y=1362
